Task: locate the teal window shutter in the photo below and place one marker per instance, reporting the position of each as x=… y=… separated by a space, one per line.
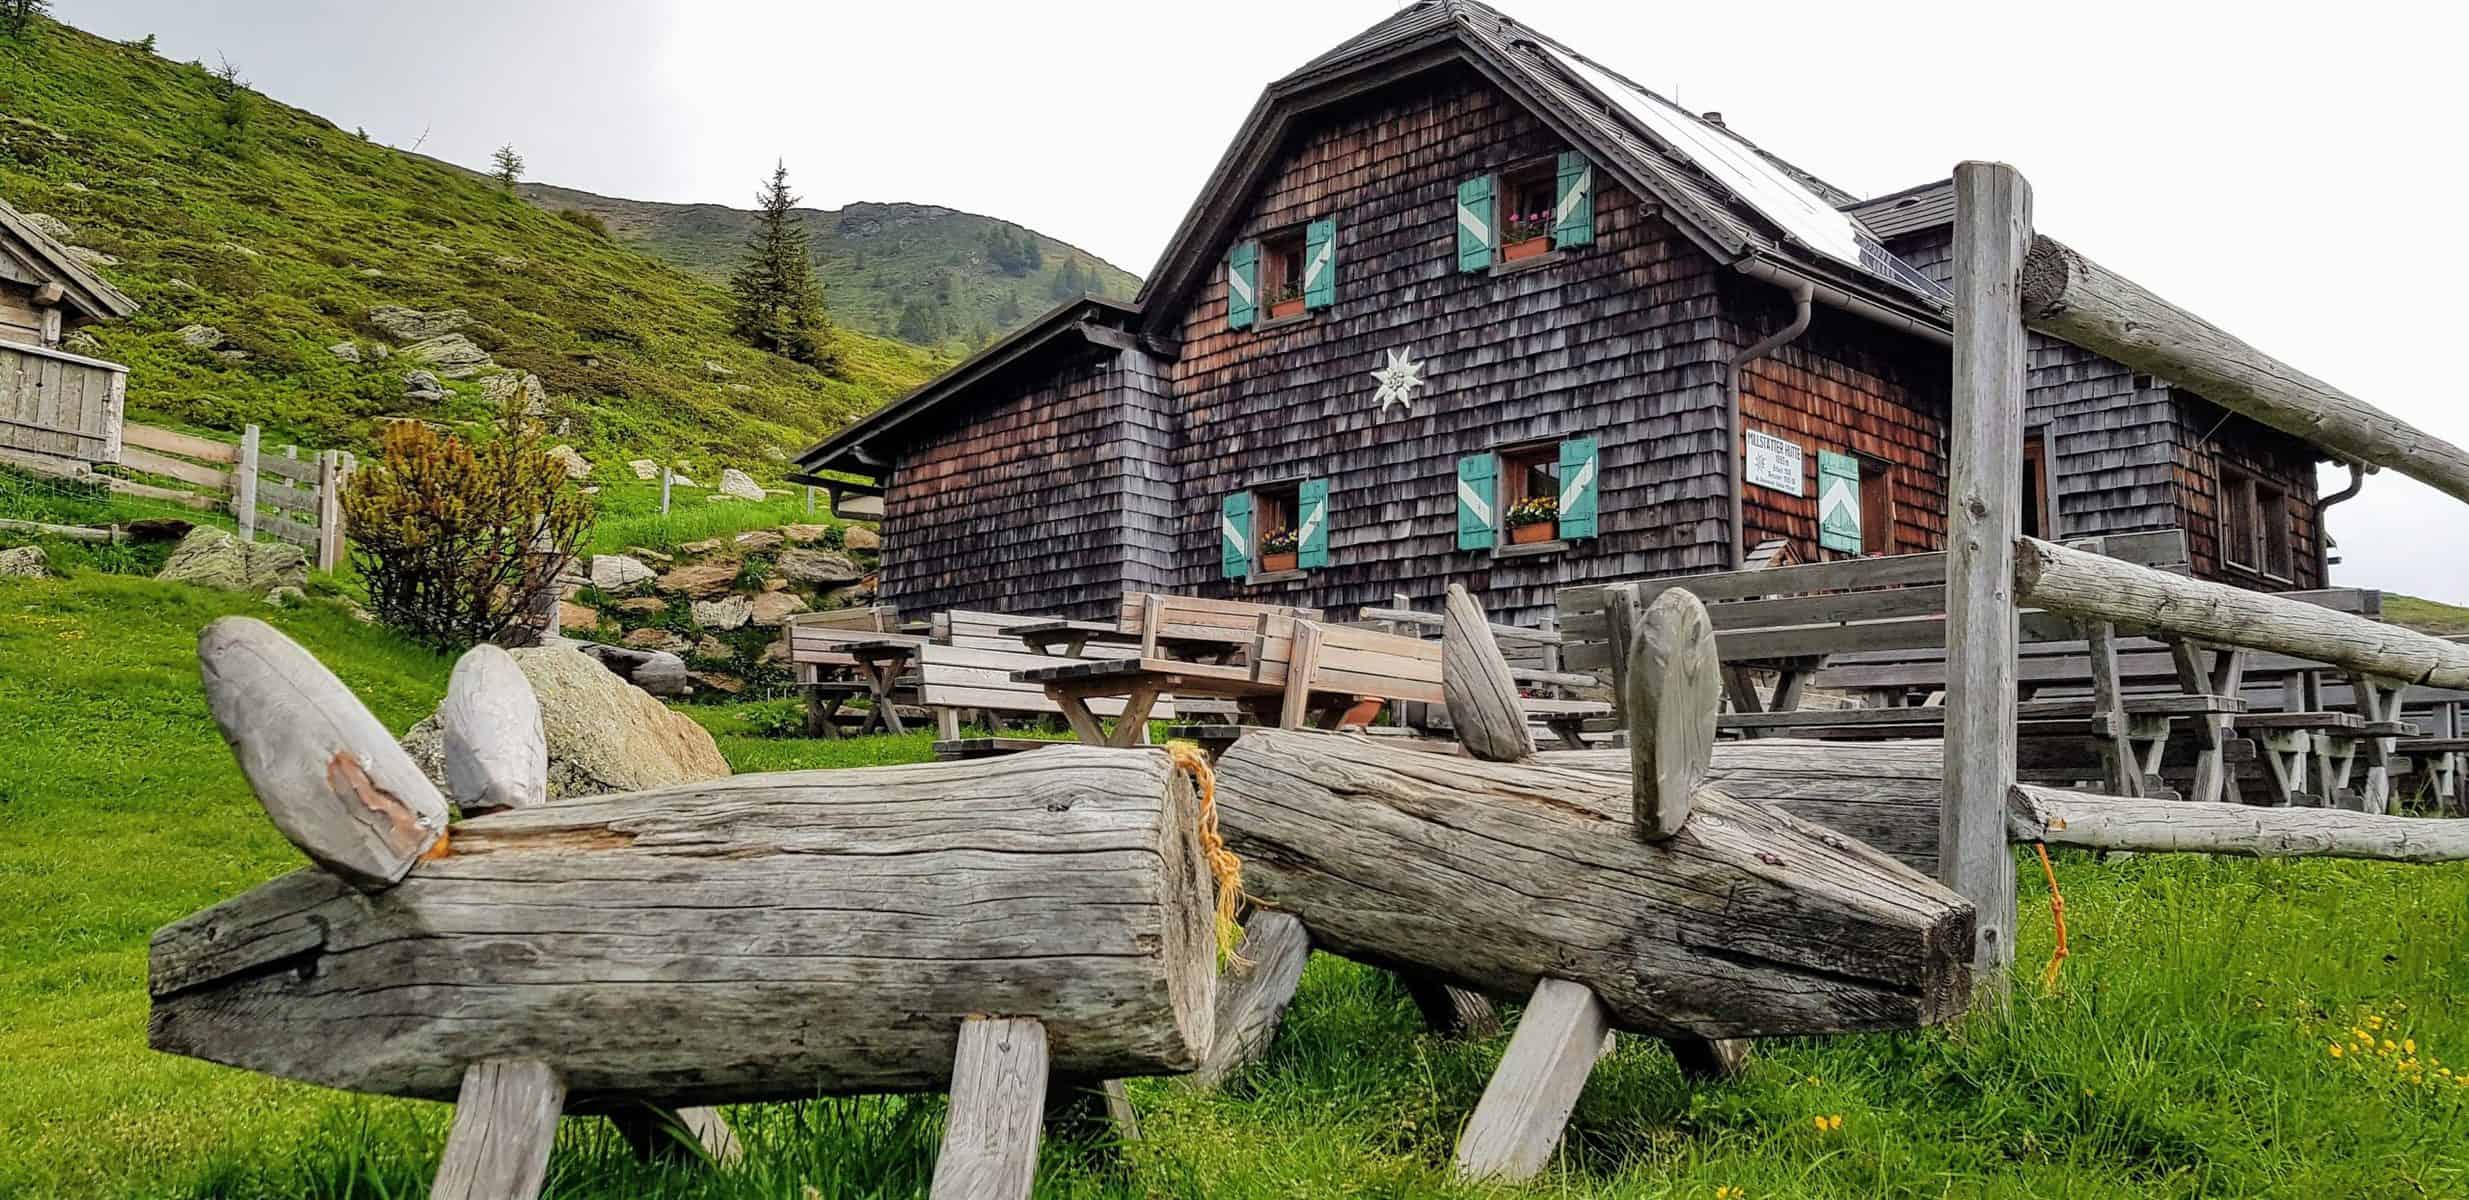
x=1475 y=233
x=1320 y=263
x=1312 y=501
x=1838 y=502
x=1234 y=534
x=1579 y=470
x=1242 y=285
x=1575 y=225
x=1475 y=519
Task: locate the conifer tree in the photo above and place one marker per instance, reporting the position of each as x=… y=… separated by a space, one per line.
x=779 y=303
x=506 y=167
x=17 y=16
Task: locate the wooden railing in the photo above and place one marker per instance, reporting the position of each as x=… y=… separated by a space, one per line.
x=294 y=495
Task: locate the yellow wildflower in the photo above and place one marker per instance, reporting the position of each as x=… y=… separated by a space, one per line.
x=2409 y=1044
x=2335 y=1054
x=1729 y=1193
x=2374 y=1022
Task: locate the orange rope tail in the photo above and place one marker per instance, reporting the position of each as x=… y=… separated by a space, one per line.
x=2057 y=914
x=1224 y=867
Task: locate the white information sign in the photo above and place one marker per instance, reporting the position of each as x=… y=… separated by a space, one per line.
x=1774 y=462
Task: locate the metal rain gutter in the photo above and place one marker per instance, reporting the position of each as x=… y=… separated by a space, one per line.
x=1802 y=292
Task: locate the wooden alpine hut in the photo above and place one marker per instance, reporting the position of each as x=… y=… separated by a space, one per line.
x=1462 y=303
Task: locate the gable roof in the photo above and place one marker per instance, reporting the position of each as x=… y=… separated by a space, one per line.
x=1064 y=329
x=1925 y=206
x=1720 y=189
x=80 y=288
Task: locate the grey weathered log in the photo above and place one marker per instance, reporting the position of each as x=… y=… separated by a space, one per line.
x=1883 y=793
x=2064 y=818
x=1475 y=679
x=1526 y=1105
x=496 y=754
x=1253 y=993
x=505 y=1121
x=1984 y=493
x=1494 y=876
x=2084 y=584
x=762 y=937
x=1673 y=687
x=329 y=775
x=998 y=1111
x=662 y=1134
x=2071 y=297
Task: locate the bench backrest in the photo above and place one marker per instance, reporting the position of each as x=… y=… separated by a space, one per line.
x=812 y=645
x=975 y=676
x=993 y=631
x=881 y=618
x=1366 y=662
x=1194 y=618
x=1811 y=610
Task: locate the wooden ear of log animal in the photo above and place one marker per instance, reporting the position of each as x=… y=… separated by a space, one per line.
x=763 y=937
x=1515 y=878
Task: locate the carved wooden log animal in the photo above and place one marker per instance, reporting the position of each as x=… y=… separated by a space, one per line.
x=1748 y=922
x=763 y=937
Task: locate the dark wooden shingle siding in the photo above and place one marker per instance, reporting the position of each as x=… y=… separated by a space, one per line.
x=1620 y=341
x=1023 y=507
x=1845 y=386
x=2206 y=440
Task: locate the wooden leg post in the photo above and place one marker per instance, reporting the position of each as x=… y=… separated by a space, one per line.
x=998 y=1111
x=1451 y=1011
x=1519 y=1120
x=505 y=1120
x=1252 y=995
x=1993 y=232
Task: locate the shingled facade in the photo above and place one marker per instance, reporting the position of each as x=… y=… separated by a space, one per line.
x=1452 y=268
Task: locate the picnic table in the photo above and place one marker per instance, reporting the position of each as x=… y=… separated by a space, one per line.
x=1073 y=638
x=880 y=663
x=1140 y=682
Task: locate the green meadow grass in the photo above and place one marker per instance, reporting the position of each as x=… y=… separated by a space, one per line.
x=2184 y=1052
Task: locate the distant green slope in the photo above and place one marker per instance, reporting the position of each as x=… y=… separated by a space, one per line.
x=875 y=259
x=285 y=233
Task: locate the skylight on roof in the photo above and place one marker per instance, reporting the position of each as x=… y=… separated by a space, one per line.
x=1801 y=213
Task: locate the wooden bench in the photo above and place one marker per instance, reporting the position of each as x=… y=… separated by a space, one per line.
x=829 y=675
x=971 y=664
x=1533 y=656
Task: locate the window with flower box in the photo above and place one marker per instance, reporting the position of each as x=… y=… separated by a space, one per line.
x=1525 y=214
x=1275 y=530
x=1527 y=499
x=1281 y=275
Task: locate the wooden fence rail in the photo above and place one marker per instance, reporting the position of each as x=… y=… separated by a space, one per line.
x=293 y=495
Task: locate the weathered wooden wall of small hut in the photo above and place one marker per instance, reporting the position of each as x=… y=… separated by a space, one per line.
x=1621 y=340
x=1848 y=386
x=1019 y=504
x=2208 y=436
x=19 y=322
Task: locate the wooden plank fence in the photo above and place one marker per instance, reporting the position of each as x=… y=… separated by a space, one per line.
x=291 y=494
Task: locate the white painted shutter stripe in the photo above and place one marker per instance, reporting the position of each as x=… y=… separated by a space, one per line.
x=1585 y=187
x=1234 y=537
x=1312 y=522
x=1576 y=486
x=1478 y=504
x=1242 y=288
x=1474 y=224
x=1319 y=263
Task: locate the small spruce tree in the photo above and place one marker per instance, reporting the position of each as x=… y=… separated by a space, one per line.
x=779 y=303
x=17 y=16
x=506 y=167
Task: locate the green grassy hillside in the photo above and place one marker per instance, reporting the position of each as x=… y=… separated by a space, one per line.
x=283 y=232
x=877 y=259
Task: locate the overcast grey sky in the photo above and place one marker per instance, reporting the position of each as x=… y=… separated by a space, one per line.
x=2288 y=171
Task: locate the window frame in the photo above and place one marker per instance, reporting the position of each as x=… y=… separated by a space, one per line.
x=2040 y=506
x=1287 y=494
x=1526 y=455
x=1880 y=533
x=2272 y=534
x=1274 y=264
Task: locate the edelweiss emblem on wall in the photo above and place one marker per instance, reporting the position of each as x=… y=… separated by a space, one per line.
x=1398 y=381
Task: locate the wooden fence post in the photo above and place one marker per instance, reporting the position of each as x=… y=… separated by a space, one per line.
x=244 y=485
x=329 y=505
x=1993 y=232
x=668 y=471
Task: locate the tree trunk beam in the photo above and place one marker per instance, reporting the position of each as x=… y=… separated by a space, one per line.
x=1475 y=680
x=505 y=1120
x=998 y=1112
x=2087 y=585
x=1883 y=793
x=762 y=937
x=2071 y=297
x=1253 y=993
x=326 y=771
x=1527 y=1104
x=2063 y=818
x=496 y=754
x=1494 y=876
x=1673 y=689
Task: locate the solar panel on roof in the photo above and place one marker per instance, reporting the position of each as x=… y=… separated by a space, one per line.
x=1773 y=192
